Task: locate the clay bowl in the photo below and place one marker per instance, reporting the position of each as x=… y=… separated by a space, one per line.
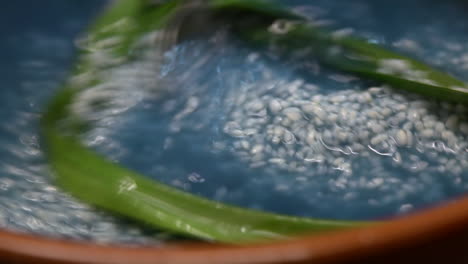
x=431 y=236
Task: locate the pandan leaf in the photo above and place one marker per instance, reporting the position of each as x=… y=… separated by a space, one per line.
x=99 y=182
x=298 y=38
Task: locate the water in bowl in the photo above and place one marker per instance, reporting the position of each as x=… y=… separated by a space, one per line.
x=235 y=125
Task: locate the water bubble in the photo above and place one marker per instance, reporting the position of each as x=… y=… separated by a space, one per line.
x=195 y=178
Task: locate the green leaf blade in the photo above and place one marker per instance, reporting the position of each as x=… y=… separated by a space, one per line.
x=99 y=182
x=356 y=56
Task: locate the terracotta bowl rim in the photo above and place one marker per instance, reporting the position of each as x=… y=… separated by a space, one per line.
x=335 y=246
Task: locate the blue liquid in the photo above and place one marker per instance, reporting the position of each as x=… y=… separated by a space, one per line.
x=36 y=53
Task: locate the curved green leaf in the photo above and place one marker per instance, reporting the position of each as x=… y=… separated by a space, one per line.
x=97 y=181
x=350 y=54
